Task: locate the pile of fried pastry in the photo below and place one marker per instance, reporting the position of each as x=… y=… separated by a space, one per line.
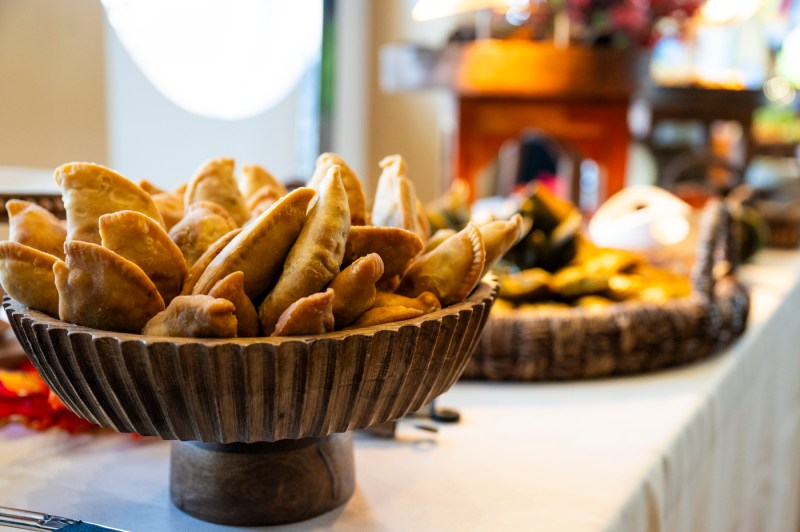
x=240 y=256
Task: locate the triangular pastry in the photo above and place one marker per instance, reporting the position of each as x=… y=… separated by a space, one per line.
x=232 y=289
x=498 y=237
x=27 y=276
x=450 y=271
x=260 y=250
x=352 y=184
x=215 y=181
x=90 y=190
x=395 y=202
x=308 y=315
x=194 y=317
x=316 y=256
x=35 y=226
x=204 y=223
x=354 y=289
x=100 y=289
x=142 y=241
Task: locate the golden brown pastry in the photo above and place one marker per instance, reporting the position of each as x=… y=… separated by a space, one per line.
x=498 y=237
x=260 y=250
x=98 y=288
x=142 y=241
x=426 y=301
x=150 y=188
x=308 y=315
x=27 y=276
x=423 y=225
x=232 y=289
x=204 y=223
x=214 y=181
x=397 y=247
x=35 y=226
x=316 y=256
x=261 y=200
x=90 y=190
x=352 y=184
x=395 y=202
x=171 y=208
x=438 y=237
x=255 y=177
x=354 y=289
x=194 y=317
x=200 y=265
x=381 y=315
x=450 y=271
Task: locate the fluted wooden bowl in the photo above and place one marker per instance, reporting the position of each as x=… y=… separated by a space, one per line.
x=252 y=389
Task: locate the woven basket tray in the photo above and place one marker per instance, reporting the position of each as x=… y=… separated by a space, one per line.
x=630 y=337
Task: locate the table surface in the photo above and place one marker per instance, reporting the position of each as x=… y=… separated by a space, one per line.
x=613 y=454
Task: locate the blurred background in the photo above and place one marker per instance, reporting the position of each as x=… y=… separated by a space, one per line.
x=588 y=95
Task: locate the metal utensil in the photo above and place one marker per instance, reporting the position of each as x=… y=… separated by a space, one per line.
x=28 y=520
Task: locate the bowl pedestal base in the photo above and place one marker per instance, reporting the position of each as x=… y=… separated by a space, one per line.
x=265 y=483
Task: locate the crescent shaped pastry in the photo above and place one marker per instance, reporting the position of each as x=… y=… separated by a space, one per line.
x=438 y=237
x=27 y=276
x=498 y=237
x=142 y=241
x=35 y=226
x=352 y=184
x=261 y=200
x=426 y=301
x=381 y=315
x=397 y=247
x=200 y=265
x=90 y=190
x=308 y=315
x=260 y=250
x=255 y=177
x=316 y=256
x=214 y=181
x=395 y=202
x=204 y=223
x=98 y=288
x=232 y=289
x=354 y=289
x=450 y=271
x=194 y=317
x=170 y=206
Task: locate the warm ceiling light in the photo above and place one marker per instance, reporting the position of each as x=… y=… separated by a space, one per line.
x=432 y=9
x=729 y=11
x=228 y=60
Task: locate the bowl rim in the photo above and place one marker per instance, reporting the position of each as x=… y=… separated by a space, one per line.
x=485 y=290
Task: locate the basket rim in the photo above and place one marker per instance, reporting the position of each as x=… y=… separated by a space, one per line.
x=483 y=292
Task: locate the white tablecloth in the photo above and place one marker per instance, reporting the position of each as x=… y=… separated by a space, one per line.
x=714 y=446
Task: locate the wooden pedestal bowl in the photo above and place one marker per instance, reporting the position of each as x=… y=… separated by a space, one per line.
x=265 y=420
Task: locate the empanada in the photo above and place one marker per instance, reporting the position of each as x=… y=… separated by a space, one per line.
x=397 y=247
x=255 y=177
x=308 y=315
x=90 y=190
x=438 y=237
x=35 y=226
x=316 y=256
x=171 y=208
x=142 y=241
x=498 y=237
x=352 y=184
x=232 y=289
x=395 y=202
x=381 y=315
x=214 y=181
x=194 y=317
x=260 y=250
x=200 y=265
x=426 y=301
x=354 y=289
x=450 y=271
x=98 y=288
x=204 y=223
x=261 y=200
x=27 y=276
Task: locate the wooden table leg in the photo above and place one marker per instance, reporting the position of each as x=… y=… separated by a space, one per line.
x=256 y=484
